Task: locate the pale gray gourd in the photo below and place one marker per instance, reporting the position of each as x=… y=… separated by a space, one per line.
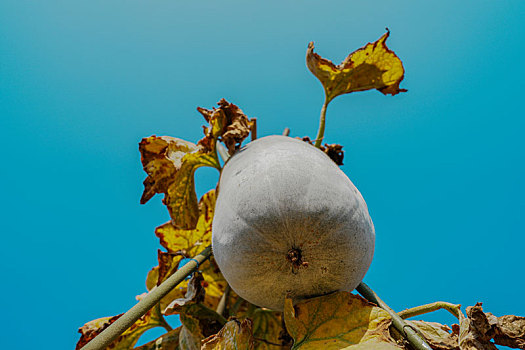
x=288 y=221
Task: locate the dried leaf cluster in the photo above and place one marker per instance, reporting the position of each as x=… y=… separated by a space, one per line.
x=339 y=320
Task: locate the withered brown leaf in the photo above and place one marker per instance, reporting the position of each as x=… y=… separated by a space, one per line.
x=334 y=151
x=477 y=329
x=231 y=125
x=510 y=331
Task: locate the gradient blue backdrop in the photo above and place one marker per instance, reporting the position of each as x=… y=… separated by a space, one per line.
x=441 y=167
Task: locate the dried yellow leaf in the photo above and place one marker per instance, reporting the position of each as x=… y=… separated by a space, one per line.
x=162 y=158
x=181 y=244
x=267 y=329
x=170 y=164
x=437 y=335
x=339 y=320
x=181 y=198
x=235 y=335
x=373 y=66
x=190 y=242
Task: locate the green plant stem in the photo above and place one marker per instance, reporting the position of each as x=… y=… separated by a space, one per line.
x=108 y=335
x=424 y=309
x=322 y=122
x=406 y=330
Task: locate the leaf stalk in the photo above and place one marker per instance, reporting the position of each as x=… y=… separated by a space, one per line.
x=322 y=123
x=454 y=309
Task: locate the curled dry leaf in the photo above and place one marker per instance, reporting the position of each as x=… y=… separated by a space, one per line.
x=170 y=164
x=232 y=125
x=510 y=331
x=235 y=335
x=128 y=339
x=214 y=285
x=198 y=322
x=373 y=66
x=478 y=329
x=194 y=293
x=339 y=320
x=334 y=151
x=161 y=158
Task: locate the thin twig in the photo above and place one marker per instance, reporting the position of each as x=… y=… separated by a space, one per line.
x=108 y=335
x=406 y=330
x=221 y=307
x=254 y=128
x=286 y=132
x=424 y=309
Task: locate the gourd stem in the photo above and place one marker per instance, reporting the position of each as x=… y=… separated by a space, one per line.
x=108 y=335
x=322 y=122
x=286 y=132
x=405 y=329
x=454 y=309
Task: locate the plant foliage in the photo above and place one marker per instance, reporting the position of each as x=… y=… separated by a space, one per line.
x=214 y=317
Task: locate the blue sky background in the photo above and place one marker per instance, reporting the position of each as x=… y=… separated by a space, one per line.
x=441 y=167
